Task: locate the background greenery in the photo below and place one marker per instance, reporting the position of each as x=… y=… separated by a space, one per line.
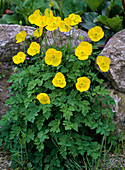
x=108 y=14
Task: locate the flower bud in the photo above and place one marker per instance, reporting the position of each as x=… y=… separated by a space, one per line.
x=43 y=66
x=81 y=37
x=15 y=69
x=51 y=4
x=76 y=27
x=20 y=22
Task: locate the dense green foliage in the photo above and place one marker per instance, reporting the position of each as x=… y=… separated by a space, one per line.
x=64 y=132
x=99 y=12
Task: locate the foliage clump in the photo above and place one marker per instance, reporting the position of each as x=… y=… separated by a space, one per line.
x=60 y=110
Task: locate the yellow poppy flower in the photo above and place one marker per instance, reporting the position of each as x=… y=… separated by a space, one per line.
x=51 y=4
x=19 y=58
x=43 y=98
x=83 y=50
x=48 y=12
x=75 y=19
x=83 y=84
x=34 y=17
x=96 y=33
x=53 y=23
x=68 y=21
x=59 y=80
x=103 y=63
x=33 y=49
x=21 y=36
x=53 y=57
x=41 y=21
x=38 y=32
x=64 y=26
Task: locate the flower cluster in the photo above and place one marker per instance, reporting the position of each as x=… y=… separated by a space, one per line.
x=19 y=58
x=54 y=57
x=51 y=22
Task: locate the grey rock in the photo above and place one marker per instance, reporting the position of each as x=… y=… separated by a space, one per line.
x=8 y=45
x=63 y=38
x=115 y=50
x=119 y=109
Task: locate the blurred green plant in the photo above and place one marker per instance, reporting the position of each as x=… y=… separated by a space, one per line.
x=66 y=7
x=95 y=5
x=23 y=9
x=3 y=5
x=109 y=14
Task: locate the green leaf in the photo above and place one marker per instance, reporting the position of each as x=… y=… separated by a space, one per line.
x=115 y=23
x=69 y=125
x=73 y=6
x=15 y=131
x=89 y=20
x=93 y=5
x=40 y=121
x=46 y=76
x=11 y=19
x=54 y=124
x=29 y=135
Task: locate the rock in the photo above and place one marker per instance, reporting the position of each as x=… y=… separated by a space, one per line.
x=119 y=109
x=63 y=37
x=115 y=50
x=8 y=45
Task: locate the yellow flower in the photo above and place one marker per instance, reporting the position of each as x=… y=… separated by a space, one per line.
x=59 y=80
x=64 y=26
x=38 y=32
x=33 y=49
x=34 y=17
x=83 y=84
x=103 y=63
x=53 y=57
x=96 y=33
x=83 y=50
x=48 y=12
x=51 y=4
x=41 y=21
x=75 y=19
x=19 y=58
x=21 y=36
x=43 y=98
x=53 y=23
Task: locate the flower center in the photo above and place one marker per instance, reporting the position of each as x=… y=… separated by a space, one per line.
x=82 y=52
x=53 y=56
x=96 y=34
x=44 y=98
x=20 y=59
x=103 y=63
x=59 y=80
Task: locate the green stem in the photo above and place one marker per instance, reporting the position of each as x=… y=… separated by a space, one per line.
x=60 y=38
